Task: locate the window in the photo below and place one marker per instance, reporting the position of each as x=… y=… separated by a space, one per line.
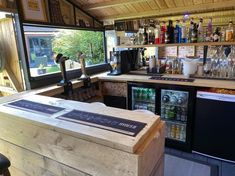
x=42 y=43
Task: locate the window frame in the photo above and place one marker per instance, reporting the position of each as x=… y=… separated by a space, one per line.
x=53 y=78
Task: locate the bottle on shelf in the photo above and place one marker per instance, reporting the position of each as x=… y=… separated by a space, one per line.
x=183 y=32
x=145 y=36
x=230 y=32
x=169 y=35
x=151 y=32
x=177 y=132
x=163 y=31
x=200 y=37
x=157 y=32
x=216 y=35
x=173 y=131
x=209 y=31
x=177 y=32
x=190 y=31
x=182 y=133
x=194 y=34
x=140 y=35
x=222 y=34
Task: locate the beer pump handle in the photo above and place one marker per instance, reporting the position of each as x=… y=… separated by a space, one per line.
x=68 y=87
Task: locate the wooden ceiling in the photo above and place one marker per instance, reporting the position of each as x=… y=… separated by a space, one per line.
x=109 y=10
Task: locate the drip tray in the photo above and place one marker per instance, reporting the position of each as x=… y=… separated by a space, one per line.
x=172 y=79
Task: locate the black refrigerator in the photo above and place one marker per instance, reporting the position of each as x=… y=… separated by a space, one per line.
x=174 y=104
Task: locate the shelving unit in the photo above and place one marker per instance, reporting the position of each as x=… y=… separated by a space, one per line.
x=178 y=44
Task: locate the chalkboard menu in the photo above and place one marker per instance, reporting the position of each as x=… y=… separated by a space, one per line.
x=114 y=124
x=34 y=107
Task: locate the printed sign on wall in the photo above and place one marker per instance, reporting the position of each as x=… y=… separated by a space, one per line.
x=186 y=51
x=34 y=10
x=169 y=51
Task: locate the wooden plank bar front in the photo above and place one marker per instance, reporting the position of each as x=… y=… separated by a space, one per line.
x=40 y=145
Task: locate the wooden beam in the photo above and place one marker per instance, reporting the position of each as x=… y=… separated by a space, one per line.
x=108 y=4
x=15 y=83
x=173 y=11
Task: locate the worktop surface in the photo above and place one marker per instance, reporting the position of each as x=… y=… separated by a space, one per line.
x=146 y=79
x=100 y=136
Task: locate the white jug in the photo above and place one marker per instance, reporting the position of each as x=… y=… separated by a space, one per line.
x=189 y=66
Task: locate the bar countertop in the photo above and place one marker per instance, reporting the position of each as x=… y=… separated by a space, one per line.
x=100 y=136
x=224 y=84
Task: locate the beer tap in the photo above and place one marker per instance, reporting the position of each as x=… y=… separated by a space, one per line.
x=84 y=77
x=68 y=87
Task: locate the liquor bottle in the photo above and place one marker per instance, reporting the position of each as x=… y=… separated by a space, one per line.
x=194 y=34
x=222 y=34
x=209 y=31
x=200 y=37
x=163 y=31
x=216 y=35
x=140 y=36
x=183 y=32
x=177 y=32
x=157 y=32
x=151 y=33
x=169 y=35
x=145 y=36
x=230 y=32
x=190 y=31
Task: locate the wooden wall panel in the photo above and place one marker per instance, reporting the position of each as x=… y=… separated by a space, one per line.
x=153 y=4
x=170 y=3
x=179 y=3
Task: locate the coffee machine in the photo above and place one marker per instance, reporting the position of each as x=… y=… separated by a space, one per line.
x=122 y=62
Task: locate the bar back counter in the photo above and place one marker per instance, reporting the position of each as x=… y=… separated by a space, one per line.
x=50 y=136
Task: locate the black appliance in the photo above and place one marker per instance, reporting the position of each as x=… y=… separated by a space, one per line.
x=122 y=62
x=133 y=58
x=174 y=104
x=214 y=125
x=119 y=64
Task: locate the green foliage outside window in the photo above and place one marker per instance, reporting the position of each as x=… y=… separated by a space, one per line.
x=69 y=42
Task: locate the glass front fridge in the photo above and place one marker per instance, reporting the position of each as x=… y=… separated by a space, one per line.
x=174 y=104
x=142 y=97
x=176 y=109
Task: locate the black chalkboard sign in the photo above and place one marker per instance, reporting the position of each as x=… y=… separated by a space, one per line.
x=35 y=107
x=118 y=125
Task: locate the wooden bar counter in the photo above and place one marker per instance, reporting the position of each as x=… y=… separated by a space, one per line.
x=39 y=144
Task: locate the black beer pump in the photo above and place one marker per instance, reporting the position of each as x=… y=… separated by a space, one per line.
x=68 y=87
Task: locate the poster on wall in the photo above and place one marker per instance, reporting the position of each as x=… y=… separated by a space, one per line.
x=169 y=51
x=83 y=20
x=10 y=4
x=34 y=10
x=67 y=12
x=186 y=51
x=55 y=12
x=3 y=3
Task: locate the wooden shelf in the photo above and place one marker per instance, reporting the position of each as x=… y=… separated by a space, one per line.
x=178 y=44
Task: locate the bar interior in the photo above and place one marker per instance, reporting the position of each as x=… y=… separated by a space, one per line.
x=117 y=88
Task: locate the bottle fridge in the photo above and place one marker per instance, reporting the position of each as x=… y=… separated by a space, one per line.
x=174 y=104
x=142 y=96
